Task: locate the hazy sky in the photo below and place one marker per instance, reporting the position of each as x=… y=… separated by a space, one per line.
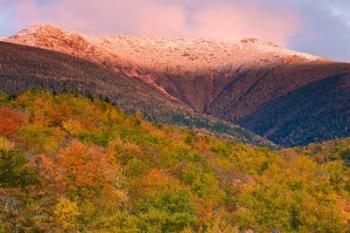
x=320 y=27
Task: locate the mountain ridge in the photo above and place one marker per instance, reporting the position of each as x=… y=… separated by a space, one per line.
x=230 y=81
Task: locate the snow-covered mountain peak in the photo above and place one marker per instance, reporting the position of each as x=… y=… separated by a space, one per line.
x=160 y=54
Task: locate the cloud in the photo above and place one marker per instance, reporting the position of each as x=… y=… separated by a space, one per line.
x=321 y=27
x=220 y=19
x=326 y=28
x=229 y=22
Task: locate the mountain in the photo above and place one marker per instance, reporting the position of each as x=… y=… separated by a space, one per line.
x=314 y=112
x=23 y=68
x=288 y=97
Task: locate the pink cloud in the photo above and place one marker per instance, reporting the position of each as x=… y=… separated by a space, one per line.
x=241 y=21
x=220 y=19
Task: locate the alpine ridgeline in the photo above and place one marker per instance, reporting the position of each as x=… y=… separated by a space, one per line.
x=288 y=97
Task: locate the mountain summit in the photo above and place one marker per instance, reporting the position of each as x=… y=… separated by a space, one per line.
x=289 y=97
x=205 y=63
x=160 y=54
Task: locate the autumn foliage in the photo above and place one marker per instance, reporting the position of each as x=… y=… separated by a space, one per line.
x=11 y=120
x=69 y=164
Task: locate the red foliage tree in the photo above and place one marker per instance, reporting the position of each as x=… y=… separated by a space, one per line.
x=11 y=120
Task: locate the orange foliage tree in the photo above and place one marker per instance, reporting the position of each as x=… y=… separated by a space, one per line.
x=10 y=120
x=84 y=172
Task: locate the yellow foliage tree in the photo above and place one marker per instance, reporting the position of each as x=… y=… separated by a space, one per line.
x=65 y=215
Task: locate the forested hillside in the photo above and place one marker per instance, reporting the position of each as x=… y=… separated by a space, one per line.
x=73 y=164
x=24 y=68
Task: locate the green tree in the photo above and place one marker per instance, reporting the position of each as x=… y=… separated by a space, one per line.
x=15 y=170
x=166 y=212
x=295 y=218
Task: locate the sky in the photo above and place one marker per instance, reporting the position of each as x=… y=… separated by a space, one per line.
x=320 y=27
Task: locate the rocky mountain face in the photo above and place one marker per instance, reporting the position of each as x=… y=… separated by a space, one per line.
x=315 y=111
x=288 y=97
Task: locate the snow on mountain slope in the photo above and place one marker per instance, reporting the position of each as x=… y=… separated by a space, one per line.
x=159 y=54
x=254 y=83
x=162 y=62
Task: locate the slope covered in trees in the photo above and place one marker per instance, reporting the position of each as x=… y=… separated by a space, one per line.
x=24 y=68
x=73 y=164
